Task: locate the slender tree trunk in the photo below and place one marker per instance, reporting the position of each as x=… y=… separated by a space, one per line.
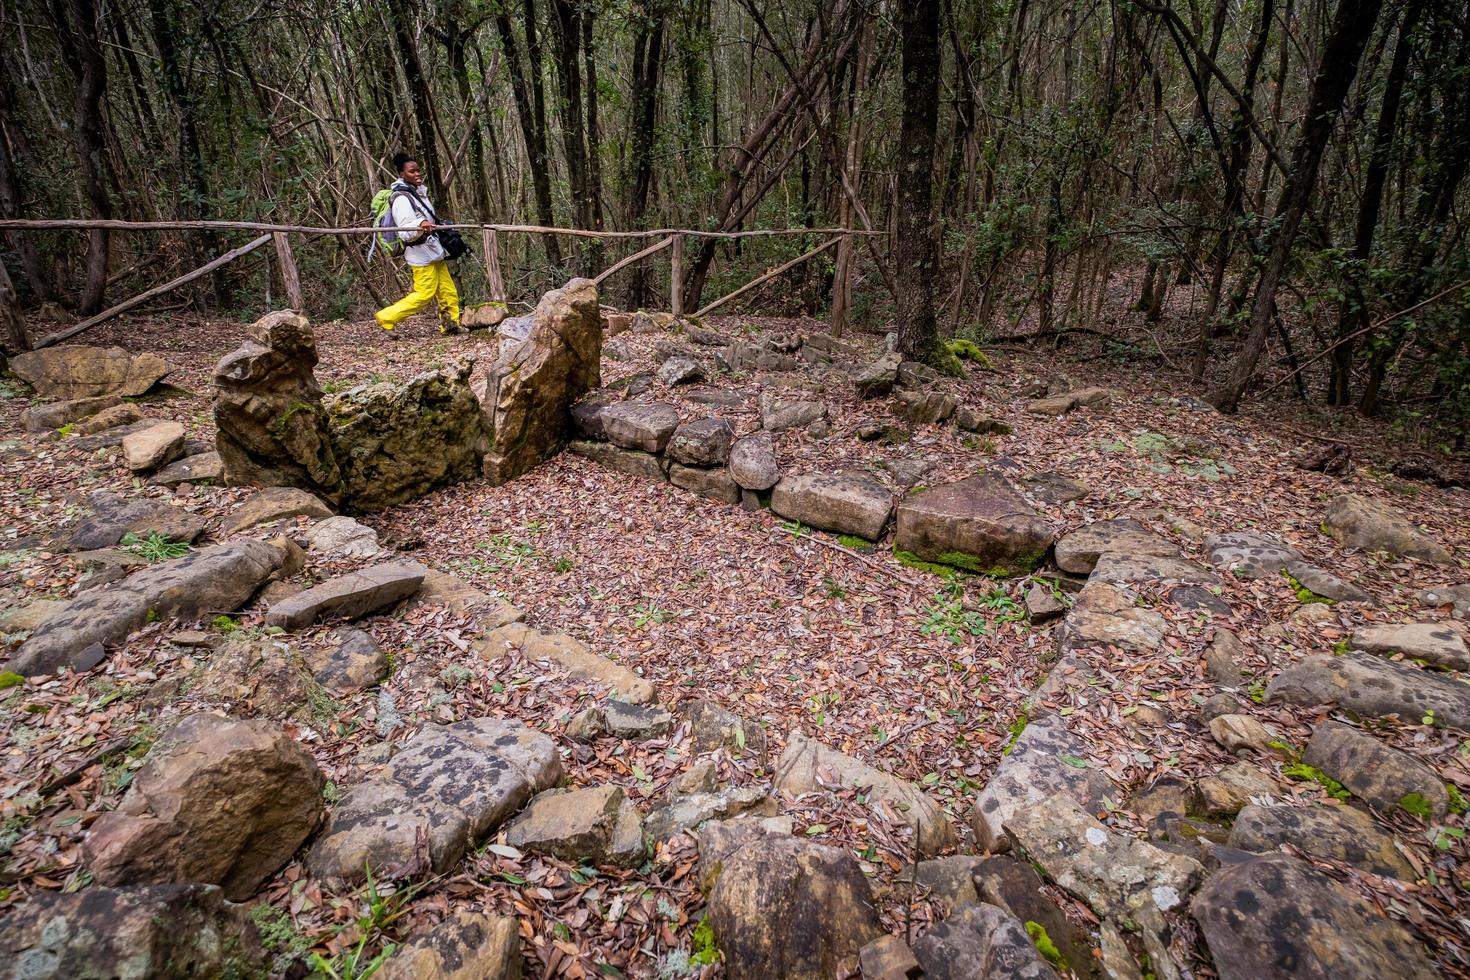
x=402 y=15
x=594 y=139
x=38 y=276
x=1351 y=29
x=530 y=109
x=81 y=48
x=916 y=247
x=643 y=111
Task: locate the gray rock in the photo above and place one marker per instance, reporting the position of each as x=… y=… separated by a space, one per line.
x=714 y=482
x=72 y=371
x=808 y=766
x=1045 y=760
x=570 y=655
x=888 y=958
x=712 y=728
x=1042 y=604
x=1456 y=597
x=1225 y=793
x=789 y=908
x=164 y=932
x=878 y=378
x=1384 y=777
x=705 y=442
x=847 y=503
x=629 y=461
x=156 y=445
x=636 y=425
x=946 y=878
x=784 y=413
x=1222 y=659
x=980 y=524
x=1249 y=555
x=349 y=596
x=702 y=777
x=926 y=407
x=1111 y=872
x=218 y=801
x=342 y=537
x=1078 y=551
x=456 y=783
x=1128 y=569
x=721 y=839
x=1368 y=525
x=1061 y=404
x=598 y=825
x=970 y=420
x=1371 y=687
x=1051 y=487
x=587 y=417
x=1235 y=732
x=113 y=517
x=105 y=438
x=636 y=721
x=753 y=462
x=1013 y=885
x=1437 y=643
x=913 y=374
x=1252 y=915
x=693 y=810
x=204 y=467
x=208 y=581
x=462 y=946
x=980 y=942
x=1338 y=833
x=718 y=398
x=54 y=415
x=680 y=370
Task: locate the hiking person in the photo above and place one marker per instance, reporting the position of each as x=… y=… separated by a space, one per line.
x=422 y=250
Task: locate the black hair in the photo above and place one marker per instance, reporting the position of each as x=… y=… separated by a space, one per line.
x=401 y=160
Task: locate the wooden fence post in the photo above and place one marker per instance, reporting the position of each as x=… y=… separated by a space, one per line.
x=491 y=244
x=290 y=278
x=676 y=277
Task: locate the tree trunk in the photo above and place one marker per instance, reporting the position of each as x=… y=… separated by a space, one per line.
x=418 y=91
x=1352 y=26
x=643 y=110
x=916 y=247
x=81 y=49
x=530 y=109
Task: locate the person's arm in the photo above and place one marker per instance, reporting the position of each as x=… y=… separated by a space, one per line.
x=405 y=215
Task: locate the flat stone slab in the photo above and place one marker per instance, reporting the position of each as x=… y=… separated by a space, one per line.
x=1250 y=555
x=113 y=517
x=199 y=468
x=1340 y=833
x=713 y=482
x=1368 y=525
x=463 y=946
x=630 y=461
x=1078 y=551
x=1276 y=918
x=1437 y=643
x=1384 y=777
x=1045 y=760
x=570 y=655
x=981 y=524
x=275 y=504
x=847 y=503
x=1371 y=687
x=1135 y=568
x=148 y=449
x=1454 y=597
x=807 y=765
x=208 y=581
x=1111 y=872
x=1105 y=615
x=54 y=415
x=1051 y=487
x=71 y=371
x=785 y=413
x=349 y=596
x=693 y=810
x=638 y=425
x=453 y=784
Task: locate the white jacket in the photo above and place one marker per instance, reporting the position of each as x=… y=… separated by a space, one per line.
x=405 y=214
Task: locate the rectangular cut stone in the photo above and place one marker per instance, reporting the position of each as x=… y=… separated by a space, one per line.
x=350 y=596
x=636 y=425
x=629 y=461
x=716 y=482
x=981 y=524
x=848 y=503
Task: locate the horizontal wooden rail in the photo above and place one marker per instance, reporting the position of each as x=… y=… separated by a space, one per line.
x=85 y=224
x=768 y=276
x=655 y=247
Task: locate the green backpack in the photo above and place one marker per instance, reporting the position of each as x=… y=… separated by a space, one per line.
x=383 y=219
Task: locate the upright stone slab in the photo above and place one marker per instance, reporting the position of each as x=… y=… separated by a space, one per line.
x=398 y=442
x=981 y=524
x=272 y=428
x=526 y=397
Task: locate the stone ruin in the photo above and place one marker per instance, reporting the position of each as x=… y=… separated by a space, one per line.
x=378 y=445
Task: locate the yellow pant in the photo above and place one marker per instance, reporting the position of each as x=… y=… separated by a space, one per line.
x=430 y=282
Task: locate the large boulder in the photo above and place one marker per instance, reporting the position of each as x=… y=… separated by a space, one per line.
x=165 y=932
x=527 y=395
x=1368 y=525
x=981 y=524
x=217 y=801
x=209 y=581
x=1371 y=687
x=1276 y=918
x=272 y=427
x=788 y=908
x=808 y=766
x=77 y=371
x=397 y=442
x=848 y=502
x=448 y=787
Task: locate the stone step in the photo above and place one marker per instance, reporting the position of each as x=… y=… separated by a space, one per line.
x=567 y=653
x=349 y=596
x=846 y=503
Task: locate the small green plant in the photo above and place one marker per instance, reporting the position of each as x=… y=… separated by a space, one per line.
x=562 y=565
x=650 y=613
x=706 y=950
x=946 y=616
x=155 y=547
x=1458 y=803
x=1303 y=594
x=10 y=679
x=355 y=962
x=834 y=591
x=1445 y=837
x=998 y=600
x=224 y=624
x=1300 y=770
x=1044 y=945
x=1256 y=692
x=66 y=430
x=279 y=936
x=1416 y=804
x=1016 y=728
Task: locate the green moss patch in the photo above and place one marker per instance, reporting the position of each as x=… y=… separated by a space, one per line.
x=1300 y=770
x=1044 y=945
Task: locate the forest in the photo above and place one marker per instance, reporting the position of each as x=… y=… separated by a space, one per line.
x=1263 y=189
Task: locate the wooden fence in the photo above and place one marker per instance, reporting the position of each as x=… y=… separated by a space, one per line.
x=278 y=236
